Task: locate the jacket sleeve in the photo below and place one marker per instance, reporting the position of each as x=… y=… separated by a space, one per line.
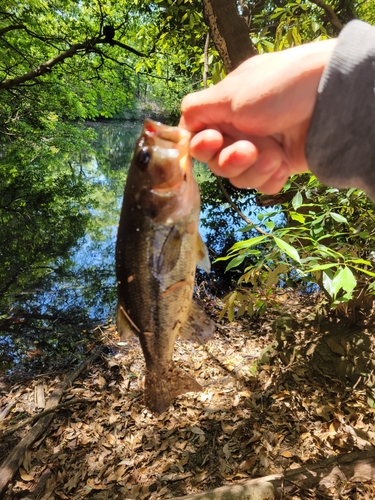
x=340 y=145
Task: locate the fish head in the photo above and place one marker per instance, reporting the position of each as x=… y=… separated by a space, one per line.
x=160 y=178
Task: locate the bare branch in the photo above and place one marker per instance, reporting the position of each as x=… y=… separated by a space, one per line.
x=205 y=67
x=31 y=420
x=46 y=67
x=126 y=47
x=236 y=209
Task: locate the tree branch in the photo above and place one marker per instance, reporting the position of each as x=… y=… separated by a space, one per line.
x=205 y=67
x=126 y=47
x=72 y=51
x=334 y=20
x=11 y=28
x=236 y=209
x=31 y=420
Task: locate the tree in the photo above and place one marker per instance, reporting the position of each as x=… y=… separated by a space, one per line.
x=316 y=214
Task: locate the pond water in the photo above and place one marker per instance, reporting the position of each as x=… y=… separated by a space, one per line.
x=53 y=315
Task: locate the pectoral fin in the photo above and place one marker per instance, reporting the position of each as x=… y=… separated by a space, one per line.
x=198 y=327
x=170 y=252
x=203 y=260
x=125 y=326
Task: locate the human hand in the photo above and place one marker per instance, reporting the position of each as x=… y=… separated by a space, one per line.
x=252 y=126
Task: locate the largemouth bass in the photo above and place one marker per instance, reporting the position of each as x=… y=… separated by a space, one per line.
x=158 y=248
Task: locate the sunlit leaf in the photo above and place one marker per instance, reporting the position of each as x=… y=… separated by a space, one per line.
x=298 y=217
x=321 y=267
x=338 y=217
x=297 y=200
x=346 y=280
x=288 y=249
x=249 y=243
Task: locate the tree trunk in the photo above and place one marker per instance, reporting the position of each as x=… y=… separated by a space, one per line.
x=229 y=32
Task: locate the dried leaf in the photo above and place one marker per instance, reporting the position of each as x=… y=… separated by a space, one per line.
x=249 y=463
x=287 y=454
x=25 y=476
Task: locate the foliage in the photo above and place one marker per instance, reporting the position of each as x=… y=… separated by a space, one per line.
x=36 y=198
x=59 y=220
x=329 y=240
x=62 y=63
x=58 y=56
x=331 y=230
x=58 y=68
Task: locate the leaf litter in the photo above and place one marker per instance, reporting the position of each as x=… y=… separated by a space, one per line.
x=280 y=392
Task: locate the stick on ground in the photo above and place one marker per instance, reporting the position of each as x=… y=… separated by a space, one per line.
x=11 y=464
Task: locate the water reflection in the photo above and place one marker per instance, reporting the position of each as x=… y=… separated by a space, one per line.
x=52 y=302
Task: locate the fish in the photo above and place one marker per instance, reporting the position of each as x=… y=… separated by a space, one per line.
x=157 y=250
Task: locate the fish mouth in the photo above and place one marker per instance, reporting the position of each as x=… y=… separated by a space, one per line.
x=176 y=135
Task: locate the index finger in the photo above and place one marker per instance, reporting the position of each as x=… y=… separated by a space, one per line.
x=206 y=107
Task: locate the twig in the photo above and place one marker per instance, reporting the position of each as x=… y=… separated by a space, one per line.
x=10 y=465
x=7 y=409
x=35 y=418
x=254 y=489
x=307 y=478
x=334 y=20
x=35 y=492
x=236 y=209
x=205 y=67
x=75 y=49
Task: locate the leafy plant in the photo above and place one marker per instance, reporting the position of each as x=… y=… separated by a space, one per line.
x=328 y=239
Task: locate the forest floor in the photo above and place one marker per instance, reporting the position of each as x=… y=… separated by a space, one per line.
x=281 y=393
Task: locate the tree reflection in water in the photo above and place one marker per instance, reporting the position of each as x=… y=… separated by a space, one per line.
x=58 y=229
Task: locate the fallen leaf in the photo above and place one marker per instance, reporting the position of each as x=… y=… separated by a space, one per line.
x=287 y=454
x=25 y=476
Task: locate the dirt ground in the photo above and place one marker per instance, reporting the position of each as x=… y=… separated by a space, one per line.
x=282 y=392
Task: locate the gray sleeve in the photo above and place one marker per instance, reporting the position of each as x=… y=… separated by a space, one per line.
x=340 y=145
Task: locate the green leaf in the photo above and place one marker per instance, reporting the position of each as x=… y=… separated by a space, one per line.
x=247 y=228
x=364 y=234
x=338 y=217
x=235 y=262
x=321 y=267
x=346 y=280
x=226 y=257
x=328 y=285
x=288 y=249
x=298 y=217
x=343 y=279
x=297 y=200
x=249 y=243
x=361 y=261
x=364 y=271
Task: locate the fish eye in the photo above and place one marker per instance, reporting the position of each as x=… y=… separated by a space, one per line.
x=143 y=157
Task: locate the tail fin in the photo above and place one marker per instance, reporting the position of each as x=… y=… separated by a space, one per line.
x=162 y=387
